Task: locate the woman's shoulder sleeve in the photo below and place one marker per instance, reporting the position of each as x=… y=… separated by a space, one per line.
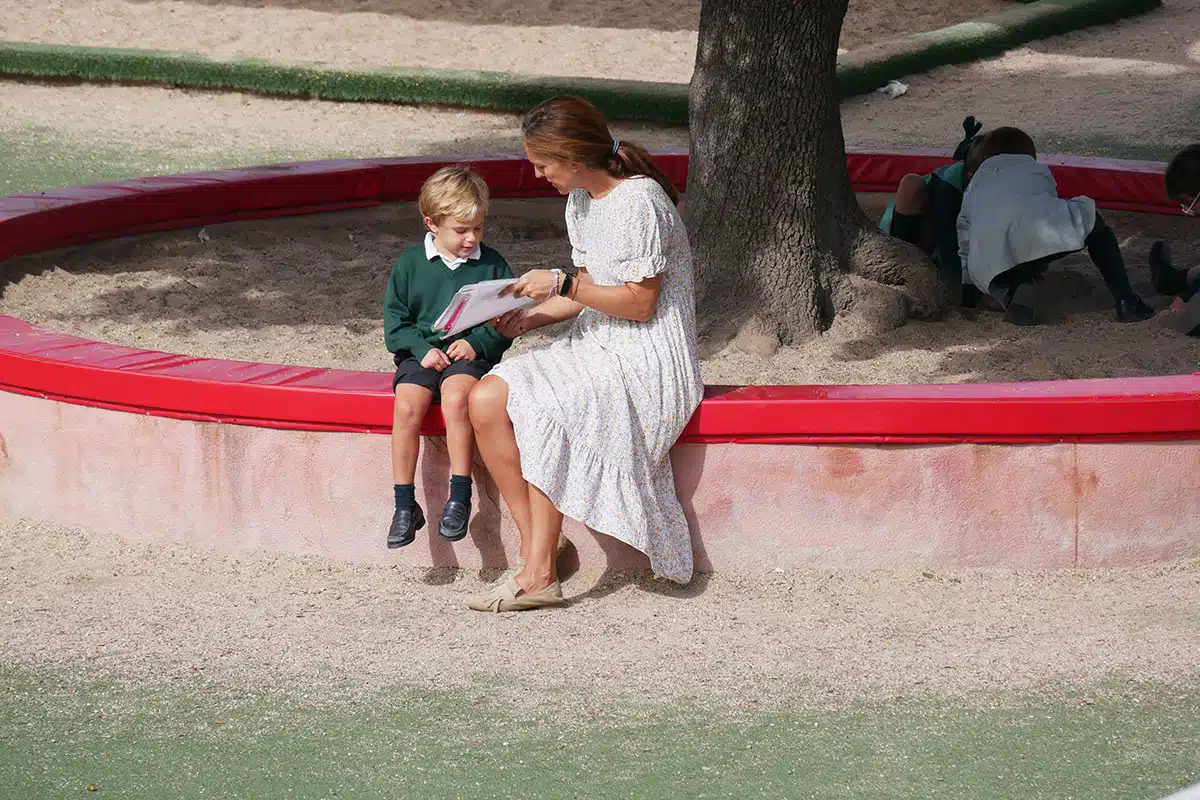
x=575 y=208
x=645 y=220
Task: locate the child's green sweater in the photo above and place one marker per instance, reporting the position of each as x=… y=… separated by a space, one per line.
x=419 y=291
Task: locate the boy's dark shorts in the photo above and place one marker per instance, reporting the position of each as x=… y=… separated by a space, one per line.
x=409 y=370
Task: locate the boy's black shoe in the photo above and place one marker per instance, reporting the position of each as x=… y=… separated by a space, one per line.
x=970 y=296
x=405 y=524
x=1167 y=279
x=455 y=517
x=1022 y=306
x=1133 y=310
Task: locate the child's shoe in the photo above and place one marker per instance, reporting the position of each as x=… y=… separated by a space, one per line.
x=1133 y=310
x=1167 y=279
x=455 y=517
x=1022 y=306
x=405 y=524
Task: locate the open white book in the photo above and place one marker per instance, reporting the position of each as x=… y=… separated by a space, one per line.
x=478 y=303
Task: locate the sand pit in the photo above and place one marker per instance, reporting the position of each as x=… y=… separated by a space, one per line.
x=308 y=291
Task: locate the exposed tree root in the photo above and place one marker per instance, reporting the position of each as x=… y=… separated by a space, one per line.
x=885 y=283
x=901 y=266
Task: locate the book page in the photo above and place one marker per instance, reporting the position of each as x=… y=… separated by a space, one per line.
x=476 y=304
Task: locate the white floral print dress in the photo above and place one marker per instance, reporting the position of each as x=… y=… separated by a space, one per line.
x=596 y=413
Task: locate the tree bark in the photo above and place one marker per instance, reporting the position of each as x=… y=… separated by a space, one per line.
x=776 y=230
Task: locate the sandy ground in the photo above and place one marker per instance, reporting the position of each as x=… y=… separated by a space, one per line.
x=779 y=641
x=1130 y=90
x=649 y=41
x=1126 y=90
x=308 y=291
x=304 y=287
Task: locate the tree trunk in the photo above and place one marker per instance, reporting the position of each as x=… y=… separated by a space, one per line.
x=781 y=245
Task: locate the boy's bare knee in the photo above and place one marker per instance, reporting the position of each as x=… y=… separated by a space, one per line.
x=912 y=195
x=455 y=405
x=408 y=413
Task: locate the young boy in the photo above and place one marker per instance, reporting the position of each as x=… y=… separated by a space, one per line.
x=453 y=203
x=1013 y=225
x=926 y=208
x=1183 y=186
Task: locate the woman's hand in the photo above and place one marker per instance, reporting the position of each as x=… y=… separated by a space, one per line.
x=512 y=324
x=539 y=284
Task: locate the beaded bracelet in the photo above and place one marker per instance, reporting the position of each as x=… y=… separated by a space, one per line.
x=558 y=273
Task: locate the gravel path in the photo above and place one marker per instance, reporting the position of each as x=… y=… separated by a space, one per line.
x=781 y=641
x=649 y=41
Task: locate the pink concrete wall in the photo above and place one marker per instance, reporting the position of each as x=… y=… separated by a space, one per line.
x=752 y=507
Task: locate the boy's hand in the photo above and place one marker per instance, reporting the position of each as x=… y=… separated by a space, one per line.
x=436 y=359
x=512 y=324
x=461 y=350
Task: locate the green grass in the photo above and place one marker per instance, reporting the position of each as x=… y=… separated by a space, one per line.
x=39 y=157
x=444 y=87
x=61 y=733
x=860 y=71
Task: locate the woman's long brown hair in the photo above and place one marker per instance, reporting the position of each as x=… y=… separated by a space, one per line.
x=572 y=129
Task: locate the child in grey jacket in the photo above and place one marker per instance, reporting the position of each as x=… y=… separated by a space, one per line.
x=1182 y=182
x=1013 y=225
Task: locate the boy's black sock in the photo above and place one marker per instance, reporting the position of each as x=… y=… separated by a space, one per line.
x=970 y=296
x=406 y=495
x=460 y=489
x=1106 y=255
x=906 y=227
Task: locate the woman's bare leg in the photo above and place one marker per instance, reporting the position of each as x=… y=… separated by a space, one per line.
x=542 y=568
x=497 y=445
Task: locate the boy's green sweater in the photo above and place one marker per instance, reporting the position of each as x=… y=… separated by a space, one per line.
x=419 y=291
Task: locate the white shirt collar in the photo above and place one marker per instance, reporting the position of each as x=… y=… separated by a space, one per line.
x=431 y=252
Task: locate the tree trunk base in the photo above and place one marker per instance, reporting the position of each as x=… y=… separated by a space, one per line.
x=885 y=283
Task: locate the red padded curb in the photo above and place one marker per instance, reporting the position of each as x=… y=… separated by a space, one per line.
x=40 y=363
x=66 y=368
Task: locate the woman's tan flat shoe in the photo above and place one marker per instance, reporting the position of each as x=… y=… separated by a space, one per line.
x=507 y=597
x=511 y=572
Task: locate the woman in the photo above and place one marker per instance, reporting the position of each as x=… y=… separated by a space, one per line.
x=584 y=426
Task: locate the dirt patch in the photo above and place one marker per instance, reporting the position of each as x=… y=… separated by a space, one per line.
x=611 y=39
x=1130 y=89
x=308 y=291
x=777 y=641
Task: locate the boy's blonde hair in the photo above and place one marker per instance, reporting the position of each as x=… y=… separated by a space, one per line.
x=456 y=192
